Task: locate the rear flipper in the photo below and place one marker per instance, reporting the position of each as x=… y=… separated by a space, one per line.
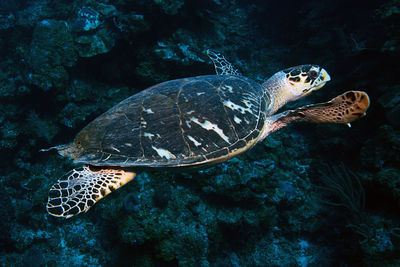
x=81 y=189
x=344 y=108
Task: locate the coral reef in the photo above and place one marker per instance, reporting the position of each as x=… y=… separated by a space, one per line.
x=51 y=50
x=65 y=62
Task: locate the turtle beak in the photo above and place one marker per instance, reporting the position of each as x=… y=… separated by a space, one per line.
x=324 y=75
x=320 y=81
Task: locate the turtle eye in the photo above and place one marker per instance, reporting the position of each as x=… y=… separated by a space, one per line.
x=313 y=74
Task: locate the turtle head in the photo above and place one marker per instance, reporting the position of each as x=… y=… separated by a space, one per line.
x=304 y=79
x=293 y=83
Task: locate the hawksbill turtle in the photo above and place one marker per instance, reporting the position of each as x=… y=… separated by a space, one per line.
x=190 y=122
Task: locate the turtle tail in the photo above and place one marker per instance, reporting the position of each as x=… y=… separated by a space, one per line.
x=79 y=190
x=343 y=109
x=68 y=150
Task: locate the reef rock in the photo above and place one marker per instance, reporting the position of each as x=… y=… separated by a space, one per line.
x=51 y=50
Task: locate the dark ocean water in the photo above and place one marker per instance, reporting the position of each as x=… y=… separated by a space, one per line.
x=308 y=195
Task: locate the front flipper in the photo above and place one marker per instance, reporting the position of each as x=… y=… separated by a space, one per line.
x=81 y=189
x=222 y=66
x=344 y=109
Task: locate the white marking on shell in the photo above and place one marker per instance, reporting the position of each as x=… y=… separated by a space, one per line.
x=201 y=93
x=211 y=126
x=188 y=124
x=128 y=144
x=107 y=158
x=149 y=135
x=164 y=153
x=237 y=107
x=229 y=88
x=116 y=149
x=247 y=103
x=148 y=111
x=195 y=142
x=237 y=120
x=190 y=112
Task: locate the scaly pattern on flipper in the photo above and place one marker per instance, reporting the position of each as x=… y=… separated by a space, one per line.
x=222 y=66
x=344 y=108
x=81 y=189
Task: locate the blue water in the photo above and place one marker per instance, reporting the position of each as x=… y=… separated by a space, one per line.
x=308 y=195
